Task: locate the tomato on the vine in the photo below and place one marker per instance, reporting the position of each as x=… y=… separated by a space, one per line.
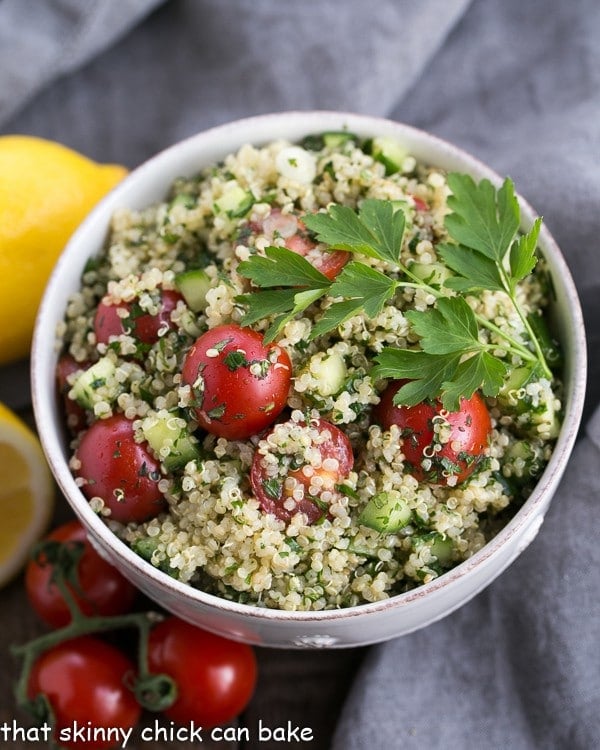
x=101 y=589
x=215 y=676
x=440 y=447
x=84 y=680
x=129 y=317
x=239 y=384
x=282 y=498
x=119 y=470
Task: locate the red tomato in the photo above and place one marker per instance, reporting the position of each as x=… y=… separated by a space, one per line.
x=76 y=416
x=297 y=238
x=430 y=459
x=272 y=493
x=239 y=385
x=420 y=204
x=215 y=676
x=102 y=589
x=137 y=323
x=84 y=680
x=119 y=470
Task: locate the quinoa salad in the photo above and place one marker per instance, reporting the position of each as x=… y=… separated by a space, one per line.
x=313 y=376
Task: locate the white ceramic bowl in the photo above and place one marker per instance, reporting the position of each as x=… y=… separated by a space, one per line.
x=368 y=623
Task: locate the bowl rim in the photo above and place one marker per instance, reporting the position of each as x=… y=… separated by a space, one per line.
x=294 y=124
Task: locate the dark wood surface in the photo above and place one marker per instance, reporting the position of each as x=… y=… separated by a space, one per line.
x=296 y=689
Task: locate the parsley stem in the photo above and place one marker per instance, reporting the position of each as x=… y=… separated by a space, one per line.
x=539 y=354
x=514 y=345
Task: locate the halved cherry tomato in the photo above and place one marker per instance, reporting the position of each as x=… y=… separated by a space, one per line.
x=84 y=681
x=239 y=385
x=420 y=204
x=102 y=590
x=448 y=453
x=119 y=470
x=137 y=323
x=75 y=414
x=317 y=484
x=215 y=676
x=297 y=238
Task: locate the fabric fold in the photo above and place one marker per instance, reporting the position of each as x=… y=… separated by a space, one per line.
x=41 y=41
x=516 y=667
x=197 y=63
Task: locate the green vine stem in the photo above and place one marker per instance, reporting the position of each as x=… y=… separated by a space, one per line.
x=154 y=692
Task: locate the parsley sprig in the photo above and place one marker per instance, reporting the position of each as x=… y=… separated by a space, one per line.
x=486 y=251
x=289 y=283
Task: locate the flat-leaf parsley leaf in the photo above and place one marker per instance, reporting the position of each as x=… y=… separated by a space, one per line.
x=486 y=251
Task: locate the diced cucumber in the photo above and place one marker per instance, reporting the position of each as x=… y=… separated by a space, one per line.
x=336 y=138
x=97 y=383
x=434 y=274
x=194 y=285
x=330 y=371
x=389 y=152
x=549 y=346
x=545 y=419
x=145 y=547
x=509 y=394
x=329 y=138
x=235 y=201
x=386 y=512
x=523 y=460
x=184 y=199
x=168 y=437
x=534 y=414
x=440 y=546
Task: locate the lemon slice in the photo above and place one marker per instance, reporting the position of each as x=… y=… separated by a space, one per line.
x=26 y=493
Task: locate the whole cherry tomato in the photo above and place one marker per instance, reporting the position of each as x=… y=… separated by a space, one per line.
x=119 y=470
x=84 y=680
x=275 y=495
x=440 y=447
x=215 y=676
x=102 y=590
x=297 y=238
x=143 y=326
x=239 y=384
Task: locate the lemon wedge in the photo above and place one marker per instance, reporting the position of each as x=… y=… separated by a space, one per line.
x=26 y=493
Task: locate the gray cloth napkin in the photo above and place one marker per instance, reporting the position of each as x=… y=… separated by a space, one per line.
x=518 y=667
x=40 y=41
x=197 y=63
x=517 y=84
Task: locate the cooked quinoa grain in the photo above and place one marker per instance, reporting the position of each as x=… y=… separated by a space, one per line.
x=287 y=517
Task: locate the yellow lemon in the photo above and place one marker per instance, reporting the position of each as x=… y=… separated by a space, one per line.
x=46 y=190
x=26 y=493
